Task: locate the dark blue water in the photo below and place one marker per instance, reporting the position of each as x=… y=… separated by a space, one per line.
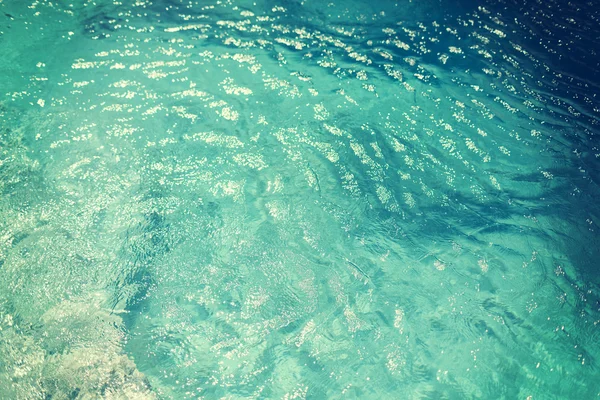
x=299 y=200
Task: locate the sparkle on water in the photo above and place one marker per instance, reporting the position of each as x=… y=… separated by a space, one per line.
x=299 y=199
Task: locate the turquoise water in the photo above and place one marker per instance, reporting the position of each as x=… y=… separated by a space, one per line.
x=299 y=200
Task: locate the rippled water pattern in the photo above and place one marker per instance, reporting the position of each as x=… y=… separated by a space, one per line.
x=299 y=200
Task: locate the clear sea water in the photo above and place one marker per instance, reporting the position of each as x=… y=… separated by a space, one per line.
x=233 y=199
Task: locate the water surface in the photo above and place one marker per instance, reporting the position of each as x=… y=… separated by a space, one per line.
x=286 y=199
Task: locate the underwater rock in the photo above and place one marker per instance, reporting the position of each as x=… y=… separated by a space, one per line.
x=75 y=354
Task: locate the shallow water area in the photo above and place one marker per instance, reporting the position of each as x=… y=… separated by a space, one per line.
x=294 y=199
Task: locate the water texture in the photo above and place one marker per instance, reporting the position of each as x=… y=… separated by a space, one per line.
x=299 y=199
